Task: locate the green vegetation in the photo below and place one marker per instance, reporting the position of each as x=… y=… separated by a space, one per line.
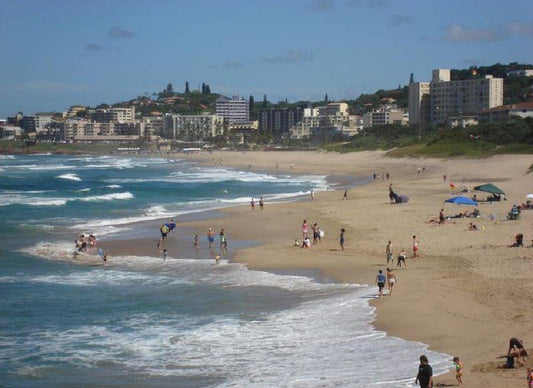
x=511 y=136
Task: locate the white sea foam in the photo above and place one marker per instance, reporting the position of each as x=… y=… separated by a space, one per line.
x=325 y=340
x=71 y=177
x=7 y=156
x=21 y=199
x=108 y=197
x=114 y=186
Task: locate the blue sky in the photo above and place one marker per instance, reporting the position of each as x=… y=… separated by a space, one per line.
x=60 y=53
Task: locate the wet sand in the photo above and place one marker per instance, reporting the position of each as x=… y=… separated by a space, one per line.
x=466 y=295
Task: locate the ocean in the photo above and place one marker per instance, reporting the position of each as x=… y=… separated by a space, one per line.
x=182 y=322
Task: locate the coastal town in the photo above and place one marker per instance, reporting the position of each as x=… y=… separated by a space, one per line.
x=442 y=102
x=314 y=193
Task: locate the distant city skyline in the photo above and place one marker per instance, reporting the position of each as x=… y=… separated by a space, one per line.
x=61 y=53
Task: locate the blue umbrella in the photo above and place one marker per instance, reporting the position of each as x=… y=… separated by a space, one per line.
x=462 y=201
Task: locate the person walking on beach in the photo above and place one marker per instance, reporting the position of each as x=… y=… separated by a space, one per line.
x=345 y=195
x=415 y=247
x=261 y=203
x=210 y=238
x=458 y=365
x=380 y=281
x=391 y=280
x=164 y=231
x=223 y=240
x=389 y=252
x=252 y=204
x=401 y=259
x=312 y=195
x=425 y=373
x=341 y=239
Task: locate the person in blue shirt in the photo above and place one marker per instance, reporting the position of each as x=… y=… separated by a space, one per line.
x=380 y=280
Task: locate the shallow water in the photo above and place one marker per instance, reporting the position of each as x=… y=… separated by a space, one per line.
x=180 y=322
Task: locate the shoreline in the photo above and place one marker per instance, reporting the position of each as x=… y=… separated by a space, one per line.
x=465 y=296
x=442 y=299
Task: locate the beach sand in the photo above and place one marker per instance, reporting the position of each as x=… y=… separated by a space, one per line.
x=466 y=295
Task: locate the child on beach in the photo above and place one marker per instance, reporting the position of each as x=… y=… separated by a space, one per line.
x=164 y=254
x=196 y=240
x=458 y=365
x=341 y=239
x=415 y=247
x=305 y=229
x=529 y=377
x=217 y=259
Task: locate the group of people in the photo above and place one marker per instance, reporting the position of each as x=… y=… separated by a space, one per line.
x=85 y=244
x=261 y=203
x=317 y=232
x=389 y=279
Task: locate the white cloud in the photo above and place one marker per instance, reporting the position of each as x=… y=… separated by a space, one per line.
x=459 y=33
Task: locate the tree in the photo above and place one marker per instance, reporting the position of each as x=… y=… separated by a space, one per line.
x=207 y=89
x=203 y=88
x=326 y=98
x=411 y=78
x=251 y=103
x=265 y=101
x=187 y=87
x=169 y=89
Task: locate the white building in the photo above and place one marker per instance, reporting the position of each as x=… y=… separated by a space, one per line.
x=234 y=110
x=37 y=123
x=385 y=116
x=521 y=73
x=115 y=115
x=193 y=127
x=419 y=103
x=462 y=98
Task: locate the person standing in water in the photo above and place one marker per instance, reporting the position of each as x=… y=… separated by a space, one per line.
x=341 y=239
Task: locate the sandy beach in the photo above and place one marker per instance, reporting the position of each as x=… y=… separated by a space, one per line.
x=466 y=294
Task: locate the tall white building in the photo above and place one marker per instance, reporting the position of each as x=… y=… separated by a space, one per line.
x=462 y=98
x=234 y=110
x=193 y=127
x=419 y=103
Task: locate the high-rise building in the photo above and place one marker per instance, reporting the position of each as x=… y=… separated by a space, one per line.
x=462 y=98
x=279 y=121
x=419 y=103
x=192 y=127
x=234 y=110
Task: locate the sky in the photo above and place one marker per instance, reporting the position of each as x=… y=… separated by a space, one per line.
x=55 y=54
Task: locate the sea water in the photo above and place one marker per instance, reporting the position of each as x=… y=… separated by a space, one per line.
x=181 y=322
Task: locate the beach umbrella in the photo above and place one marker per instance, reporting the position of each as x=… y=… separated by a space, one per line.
x=489 y=188
x=461 y=201
x=529 y=196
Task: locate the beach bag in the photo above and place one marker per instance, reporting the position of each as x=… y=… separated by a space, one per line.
x=321 y=233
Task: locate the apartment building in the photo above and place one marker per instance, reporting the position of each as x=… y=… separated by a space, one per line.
x=462 y=98
x=234 y=110
x=419 y=103
x=192 y=127
x=279 y=121
x=37 y=122
x=83 y=129
x=117 y=115
x=385 y=116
